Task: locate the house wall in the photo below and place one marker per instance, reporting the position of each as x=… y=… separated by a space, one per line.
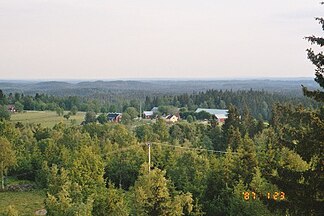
x=173 y=119
x=147 y=116
x=118 y=118
x=221 y=120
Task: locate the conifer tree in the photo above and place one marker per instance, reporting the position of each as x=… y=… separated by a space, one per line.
x=247 y=126
x=301 y=134
x=112 y=203
x=233 y=119
x=228 y=167
x=301 y=164
x=161 y=129
x=233 y=138
x=246 y=160
x=88 y=170
x=153 y=196
x=187 y=173
x=64 y=197
x=318 y=60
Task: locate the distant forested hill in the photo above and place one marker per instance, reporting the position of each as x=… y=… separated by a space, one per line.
x=131 y=89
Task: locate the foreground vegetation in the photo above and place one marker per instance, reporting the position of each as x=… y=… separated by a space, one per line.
x=240 y=168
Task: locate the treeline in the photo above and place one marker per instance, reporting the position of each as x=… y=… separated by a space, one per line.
x=259 y=103
x=110 y=90
x=101 y=169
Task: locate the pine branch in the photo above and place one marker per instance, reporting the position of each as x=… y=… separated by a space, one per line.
x=316 y=40
x=320 y=21
x=316 y=95
x=320 y=77
x=316 y=59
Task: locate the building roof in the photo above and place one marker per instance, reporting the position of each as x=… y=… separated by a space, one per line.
x=170 y=116
x=221 y=116
x=155 y=109
x=113 y=115
x=148 y=113
x=219 y=113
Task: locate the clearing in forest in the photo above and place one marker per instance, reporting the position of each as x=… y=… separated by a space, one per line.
x=46 y=118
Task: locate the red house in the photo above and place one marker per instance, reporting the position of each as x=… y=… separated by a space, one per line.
x=11 y=108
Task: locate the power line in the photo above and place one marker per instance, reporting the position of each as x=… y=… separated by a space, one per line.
x=195 y=149
x=122 y=149
x=169 y=145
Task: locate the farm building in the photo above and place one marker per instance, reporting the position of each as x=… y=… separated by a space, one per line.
x=114 y=117
x=171 y=118
x=148 y=114
x=11 y=108
x=219 y=114
x=155 y=109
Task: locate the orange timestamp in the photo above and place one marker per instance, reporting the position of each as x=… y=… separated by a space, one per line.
x=277 y=196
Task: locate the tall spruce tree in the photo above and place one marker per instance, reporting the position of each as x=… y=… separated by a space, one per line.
x=300 y=171
x=153 y=195
x=318 y=60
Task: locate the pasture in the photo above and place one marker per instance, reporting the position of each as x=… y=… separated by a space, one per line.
x=46 y=118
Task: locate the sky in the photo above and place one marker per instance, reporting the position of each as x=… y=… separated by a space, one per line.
x=134 y=39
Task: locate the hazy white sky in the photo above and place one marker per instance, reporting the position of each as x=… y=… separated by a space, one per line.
x=110 y=39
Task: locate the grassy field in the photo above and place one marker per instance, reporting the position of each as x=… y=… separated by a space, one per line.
x=25 y=202
x=46 y=118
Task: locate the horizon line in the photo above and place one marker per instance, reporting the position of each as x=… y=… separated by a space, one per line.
x=156 y=79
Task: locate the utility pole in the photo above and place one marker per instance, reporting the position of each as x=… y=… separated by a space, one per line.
x=149 y=156
x=140 y=110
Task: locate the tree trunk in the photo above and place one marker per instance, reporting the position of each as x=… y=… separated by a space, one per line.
x=2 y=176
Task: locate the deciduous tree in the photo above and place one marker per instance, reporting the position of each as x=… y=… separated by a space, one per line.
x=90 y=117
x=19 y=106
x=4 y=113
x=7 y=158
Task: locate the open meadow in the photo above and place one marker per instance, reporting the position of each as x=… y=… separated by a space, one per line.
x=26 y=203
x=46 y=118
